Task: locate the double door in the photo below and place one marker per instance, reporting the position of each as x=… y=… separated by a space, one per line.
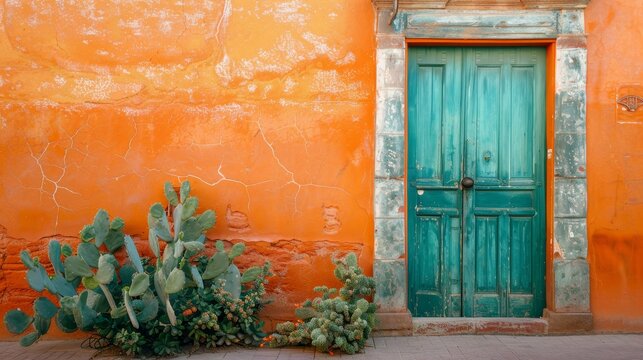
x=476 y=174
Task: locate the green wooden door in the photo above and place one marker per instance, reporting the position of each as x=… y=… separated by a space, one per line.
x=476 y=113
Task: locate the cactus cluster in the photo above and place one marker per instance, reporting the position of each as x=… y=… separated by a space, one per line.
x=333 y=321
x=131 y=303
x=221 y=318
x=95 y=270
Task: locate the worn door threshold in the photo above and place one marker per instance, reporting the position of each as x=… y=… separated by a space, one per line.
x=479 y=326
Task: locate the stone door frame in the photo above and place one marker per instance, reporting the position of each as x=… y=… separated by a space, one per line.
x=554 y=23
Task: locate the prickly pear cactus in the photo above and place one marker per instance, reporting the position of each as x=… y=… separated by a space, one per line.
x=93 y=265
x=184 y=236
x=333 y=322
x=76 y=311
x=131 y=304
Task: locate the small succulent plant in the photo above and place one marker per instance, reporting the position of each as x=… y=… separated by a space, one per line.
x=338 y=320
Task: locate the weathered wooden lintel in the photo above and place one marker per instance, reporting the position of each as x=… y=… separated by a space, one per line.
x=482 y=24
x=478 y=24
x=482 y=4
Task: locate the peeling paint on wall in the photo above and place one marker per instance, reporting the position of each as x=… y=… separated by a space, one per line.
x=265 y=107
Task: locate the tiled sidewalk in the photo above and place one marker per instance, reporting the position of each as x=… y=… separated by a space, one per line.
x=481 y=347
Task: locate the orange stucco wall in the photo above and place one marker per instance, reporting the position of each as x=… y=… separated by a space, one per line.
x=265 y=106
x=615 y=164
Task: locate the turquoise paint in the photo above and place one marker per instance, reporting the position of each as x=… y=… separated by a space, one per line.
x=476 y=112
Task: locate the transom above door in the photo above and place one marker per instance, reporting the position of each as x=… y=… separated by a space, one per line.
x=476 y=174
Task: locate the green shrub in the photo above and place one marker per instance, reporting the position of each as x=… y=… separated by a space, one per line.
x=152 y=305
x=343 y=322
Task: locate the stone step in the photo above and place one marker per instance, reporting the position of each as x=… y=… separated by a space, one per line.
x=479 y=326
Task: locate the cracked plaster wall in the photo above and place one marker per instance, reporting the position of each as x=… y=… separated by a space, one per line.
x=615 y=164
x=265 y=106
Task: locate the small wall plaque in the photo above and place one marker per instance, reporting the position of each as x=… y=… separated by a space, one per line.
x=630 y=102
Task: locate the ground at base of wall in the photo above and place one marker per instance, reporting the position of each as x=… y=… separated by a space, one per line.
x=586 y=347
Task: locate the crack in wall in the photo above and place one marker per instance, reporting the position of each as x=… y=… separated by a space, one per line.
x=54 y=181
x=131 y=140
x=223 y=178
x=292 y=174
x=223 y=20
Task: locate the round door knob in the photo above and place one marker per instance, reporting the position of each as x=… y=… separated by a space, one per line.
x=466 y=183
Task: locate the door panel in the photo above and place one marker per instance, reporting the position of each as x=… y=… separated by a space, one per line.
x=435 y=152
x=438 y=245
x=522 y=124
x=429 y=89
x=521 y=253
x=487 y=126
x=486 y=253
x=476 y=112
